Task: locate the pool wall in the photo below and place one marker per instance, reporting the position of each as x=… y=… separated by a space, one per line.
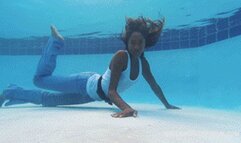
x=213 y=30
x=203 y=76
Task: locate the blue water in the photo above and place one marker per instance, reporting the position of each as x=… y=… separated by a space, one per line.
x=207 y=76
x=23 y=18
x=190 y=77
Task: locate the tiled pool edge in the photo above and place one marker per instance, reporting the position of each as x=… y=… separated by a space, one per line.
x=218 y=29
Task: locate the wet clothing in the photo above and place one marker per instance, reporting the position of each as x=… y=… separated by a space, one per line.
x=73 y=89
x=124 y=83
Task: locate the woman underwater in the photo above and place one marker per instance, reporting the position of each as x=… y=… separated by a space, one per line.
x=123 y=71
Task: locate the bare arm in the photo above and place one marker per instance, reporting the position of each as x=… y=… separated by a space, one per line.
x=146 y=72
x=117 y=65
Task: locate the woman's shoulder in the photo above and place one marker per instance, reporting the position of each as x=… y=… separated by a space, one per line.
x=120 y=58
x=121 y=54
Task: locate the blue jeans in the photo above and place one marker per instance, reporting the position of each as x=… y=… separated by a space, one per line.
x=71 y=89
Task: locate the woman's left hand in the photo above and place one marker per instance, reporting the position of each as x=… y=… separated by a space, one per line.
x=125 y=113
x=172 y=107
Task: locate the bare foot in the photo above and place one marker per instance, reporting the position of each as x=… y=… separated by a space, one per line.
x=2 y=99
x=55 y=33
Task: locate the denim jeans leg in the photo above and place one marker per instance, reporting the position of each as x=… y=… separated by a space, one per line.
x=44 y=78
x=47 y=62
x=19 y=95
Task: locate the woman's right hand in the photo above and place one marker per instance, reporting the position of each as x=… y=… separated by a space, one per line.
x=169 y=106
x=129 y=112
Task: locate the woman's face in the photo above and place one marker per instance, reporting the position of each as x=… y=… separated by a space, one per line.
x=136 y=44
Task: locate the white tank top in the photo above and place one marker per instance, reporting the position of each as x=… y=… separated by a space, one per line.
x=124 y=83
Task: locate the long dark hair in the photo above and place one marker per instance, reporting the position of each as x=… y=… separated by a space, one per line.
x=148 y=28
